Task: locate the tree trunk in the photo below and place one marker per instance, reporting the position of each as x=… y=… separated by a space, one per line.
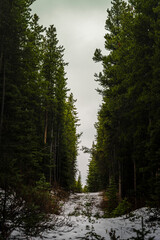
x=2 y=104
x=135 y=183
x=1 y=58
x=55 y=164
x=4 y=217
x=51 y=156
x=58 y=159
x=46 y=127
x=113 y=173
x=120 y=181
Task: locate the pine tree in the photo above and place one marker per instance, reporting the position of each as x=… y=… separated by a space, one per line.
x=54 y=101
x=61 y=121
x=23 y=202
x=79 y=184
x=125 y=132
x=112 y=79
x=93 y=178
x=17 y=130
x=70 y=144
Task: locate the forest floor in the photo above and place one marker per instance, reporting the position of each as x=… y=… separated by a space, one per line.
x=82 y=218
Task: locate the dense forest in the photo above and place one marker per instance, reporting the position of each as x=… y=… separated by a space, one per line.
x=38 y=119
x=126 y=152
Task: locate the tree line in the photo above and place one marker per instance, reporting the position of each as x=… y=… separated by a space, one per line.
x=38 y=117
x=126 y=151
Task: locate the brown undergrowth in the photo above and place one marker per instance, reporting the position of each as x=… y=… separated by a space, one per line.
x=104 y=202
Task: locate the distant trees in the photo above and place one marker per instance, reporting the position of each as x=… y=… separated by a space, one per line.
x=126 y=147
x=93 y=178
x=78 y=185
x=38 y=119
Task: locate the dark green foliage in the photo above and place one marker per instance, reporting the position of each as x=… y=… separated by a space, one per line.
x=112 y=200
x=70 y=144
x=93 y=179
x=85 y=189
x=28 y=210
x=38 y=121
x=123 y=207
x=60 y=116
x=128 y=121
x=78 y=187
x=55 y=95
x=93 y=182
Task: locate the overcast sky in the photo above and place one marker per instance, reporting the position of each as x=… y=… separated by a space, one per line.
x=80 y=29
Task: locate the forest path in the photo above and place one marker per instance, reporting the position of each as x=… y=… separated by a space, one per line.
x=84 y=204
x=82 y=216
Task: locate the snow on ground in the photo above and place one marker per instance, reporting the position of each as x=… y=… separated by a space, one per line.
x=82 y=219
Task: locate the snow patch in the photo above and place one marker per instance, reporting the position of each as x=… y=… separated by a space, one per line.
x=82 y=214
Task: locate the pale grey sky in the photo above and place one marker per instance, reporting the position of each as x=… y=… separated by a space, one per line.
x=80 y=29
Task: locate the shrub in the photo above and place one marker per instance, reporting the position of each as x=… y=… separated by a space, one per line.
x=112 y=200
x=28 y=209
x=123 y=207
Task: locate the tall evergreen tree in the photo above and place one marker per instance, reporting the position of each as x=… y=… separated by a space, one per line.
x=113 y=91
x=55 y=93
x=70 y=144
x=18 y=141
x=124 y=130
x=33 y=120
x=79 y=184
x=93 y=178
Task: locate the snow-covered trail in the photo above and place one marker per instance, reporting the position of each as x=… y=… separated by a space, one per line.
x=81 y=213
x=83 y=220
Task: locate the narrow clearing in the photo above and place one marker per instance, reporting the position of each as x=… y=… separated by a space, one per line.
x=83 y=220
